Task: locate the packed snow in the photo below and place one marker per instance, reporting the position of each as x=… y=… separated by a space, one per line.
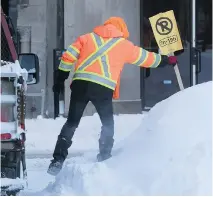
x=12 y=184
x=8 y=99
x=41 y=138
x=9 y=67
x=85 y=138
x=166 y=152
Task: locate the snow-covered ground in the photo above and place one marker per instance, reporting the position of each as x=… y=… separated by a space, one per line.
x=166 y=152
x=42 y=133
x=41 y=138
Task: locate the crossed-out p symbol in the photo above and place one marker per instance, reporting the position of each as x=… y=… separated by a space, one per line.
x=164 y=26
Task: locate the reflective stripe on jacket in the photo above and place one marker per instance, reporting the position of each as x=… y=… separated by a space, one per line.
x=101 y=60
x=96 y=67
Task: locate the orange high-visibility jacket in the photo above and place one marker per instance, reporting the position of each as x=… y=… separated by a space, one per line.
x=100 y=56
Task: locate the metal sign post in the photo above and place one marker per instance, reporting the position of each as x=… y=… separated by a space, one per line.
x=178 y=75
x=179 y=79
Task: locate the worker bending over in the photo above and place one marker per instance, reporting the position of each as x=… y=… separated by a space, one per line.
x=98 y=59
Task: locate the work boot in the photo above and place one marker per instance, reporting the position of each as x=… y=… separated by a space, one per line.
x=105 y=148
x=55 y=167
x=103 y=157
x=61 y=149
x=59 y=155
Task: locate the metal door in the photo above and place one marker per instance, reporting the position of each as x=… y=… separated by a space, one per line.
x=158 y=84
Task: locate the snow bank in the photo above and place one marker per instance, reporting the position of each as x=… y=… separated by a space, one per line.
x=170 y=154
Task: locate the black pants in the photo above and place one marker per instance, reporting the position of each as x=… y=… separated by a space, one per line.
x=101 y=98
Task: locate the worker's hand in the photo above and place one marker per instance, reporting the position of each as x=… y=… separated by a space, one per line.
x=58 y=87
x=172 y=60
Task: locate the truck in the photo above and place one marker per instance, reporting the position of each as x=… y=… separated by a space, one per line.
x=18 y=70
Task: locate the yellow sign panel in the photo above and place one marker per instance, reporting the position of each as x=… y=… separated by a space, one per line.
x=166 y=32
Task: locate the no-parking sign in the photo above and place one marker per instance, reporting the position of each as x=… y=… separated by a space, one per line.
x=166 y=32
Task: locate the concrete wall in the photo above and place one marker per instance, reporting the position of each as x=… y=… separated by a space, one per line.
x=37 y=25
x=32 y=25
x=51 y=33
x=81 y=16
x=40 y=28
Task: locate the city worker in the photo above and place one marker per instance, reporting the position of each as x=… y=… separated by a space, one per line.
x=98 y=59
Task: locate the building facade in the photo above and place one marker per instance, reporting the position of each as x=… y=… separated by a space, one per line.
x=45 y=25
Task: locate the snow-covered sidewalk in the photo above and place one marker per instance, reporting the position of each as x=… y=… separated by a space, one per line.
x=42 y=133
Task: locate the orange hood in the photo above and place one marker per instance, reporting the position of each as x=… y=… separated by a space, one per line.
x=113 y=27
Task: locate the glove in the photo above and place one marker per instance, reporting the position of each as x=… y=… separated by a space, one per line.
x=172 y=60
x=61 y=76
x=58 y=87
x=59 y=83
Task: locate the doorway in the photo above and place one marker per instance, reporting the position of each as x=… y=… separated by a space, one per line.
x=158 y=84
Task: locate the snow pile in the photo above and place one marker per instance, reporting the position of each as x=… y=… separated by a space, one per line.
x=89 y=178
x=32 y=70
x=169 y=154
x=9 y=67
x=12 y=184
